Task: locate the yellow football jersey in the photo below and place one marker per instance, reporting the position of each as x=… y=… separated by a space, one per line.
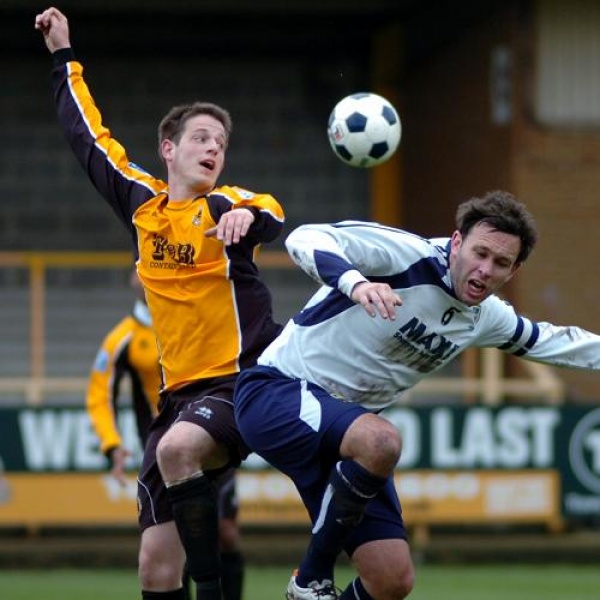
x=129 y=349
x=211 y=312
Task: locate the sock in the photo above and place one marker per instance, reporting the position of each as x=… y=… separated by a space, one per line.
x=194 y=505
x=355 y=591
x=171 y=595
x=232 y=574
x=349 y=489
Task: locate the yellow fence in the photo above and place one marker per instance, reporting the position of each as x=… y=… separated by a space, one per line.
x=482 y=373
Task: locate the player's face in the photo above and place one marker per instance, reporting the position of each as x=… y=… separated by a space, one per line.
x=196 y=161
x=482 y=262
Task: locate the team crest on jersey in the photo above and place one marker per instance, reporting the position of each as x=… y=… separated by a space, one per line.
x=197 y=220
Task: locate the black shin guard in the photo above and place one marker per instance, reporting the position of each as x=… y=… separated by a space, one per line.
x=196 y=516
x=349 y=489
x=232 y=575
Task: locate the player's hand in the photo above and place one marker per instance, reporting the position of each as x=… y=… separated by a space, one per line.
x=119 y=458
x=232 y=226
x=376 y=298
x=54 y=27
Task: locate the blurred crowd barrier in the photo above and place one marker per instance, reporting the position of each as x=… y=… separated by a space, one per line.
x=57 y=307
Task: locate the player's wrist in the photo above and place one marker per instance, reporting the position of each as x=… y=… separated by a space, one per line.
x=255 y=211
x=110 y=454
x=62 y=56
x=349 y=280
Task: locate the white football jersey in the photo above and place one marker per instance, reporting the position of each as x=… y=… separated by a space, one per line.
x=334 y=343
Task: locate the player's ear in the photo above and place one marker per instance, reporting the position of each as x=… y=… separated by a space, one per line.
x=455 y=241
x=166 y=149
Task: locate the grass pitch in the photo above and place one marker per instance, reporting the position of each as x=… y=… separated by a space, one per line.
x=450 y=582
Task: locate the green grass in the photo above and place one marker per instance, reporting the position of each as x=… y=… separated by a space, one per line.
x=501 y=582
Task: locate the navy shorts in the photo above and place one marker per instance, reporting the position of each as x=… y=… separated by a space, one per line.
x=192 y=403
x=298 y=427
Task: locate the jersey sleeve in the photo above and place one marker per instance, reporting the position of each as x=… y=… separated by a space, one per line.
x=103 y=386
x=343 y=254
x=120 y=182
x=268 y=213
x=557 y=345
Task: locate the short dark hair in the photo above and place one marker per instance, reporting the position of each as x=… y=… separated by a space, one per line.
x=503 y=212
x=172 y=125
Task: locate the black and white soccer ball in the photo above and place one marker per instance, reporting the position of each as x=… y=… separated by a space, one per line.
x=364 y=129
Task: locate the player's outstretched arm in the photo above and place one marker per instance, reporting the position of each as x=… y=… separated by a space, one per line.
x=54 y=27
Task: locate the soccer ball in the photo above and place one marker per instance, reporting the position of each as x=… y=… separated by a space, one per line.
x=364 y=129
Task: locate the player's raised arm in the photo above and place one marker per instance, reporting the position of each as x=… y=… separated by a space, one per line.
x=54 y=27
x=120 y=182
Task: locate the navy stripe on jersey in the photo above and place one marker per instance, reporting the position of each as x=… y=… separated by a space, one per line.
x=427 y=271
x=522 y=349
x=535 y=334
x=333 y=304
x=331 y=267
x=513 y=340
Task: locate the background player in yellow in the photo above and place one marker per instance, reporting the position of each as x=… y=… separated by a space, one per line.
x=130 y=350
x=194 y=244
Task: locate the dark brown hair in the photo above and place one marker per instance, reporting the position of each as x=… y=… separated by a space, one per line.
x=503 y=212
x=173 y=123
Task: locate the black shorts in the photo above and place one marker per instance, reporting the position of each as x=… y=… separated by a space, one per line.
x=194 y=403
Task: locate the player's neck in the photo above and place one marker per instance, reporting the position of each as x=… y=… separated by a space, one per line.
x=181 y=193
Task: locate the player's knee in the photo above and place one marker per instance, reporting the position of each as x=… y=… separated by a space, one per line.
x=169 y=447
x=157 y=574
x=383 y=448
x=374 y=442
x=388 y=445
x=393 y=586
x=172 y=450
x=404 y=584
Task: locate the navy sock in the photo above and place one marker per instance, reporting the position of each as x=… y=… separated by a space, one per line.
x=195 y=512
x=355 y=591
x=349 y=489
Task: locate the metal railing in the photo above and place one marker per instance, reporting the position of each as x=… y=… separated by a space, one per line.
x=481 y=374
